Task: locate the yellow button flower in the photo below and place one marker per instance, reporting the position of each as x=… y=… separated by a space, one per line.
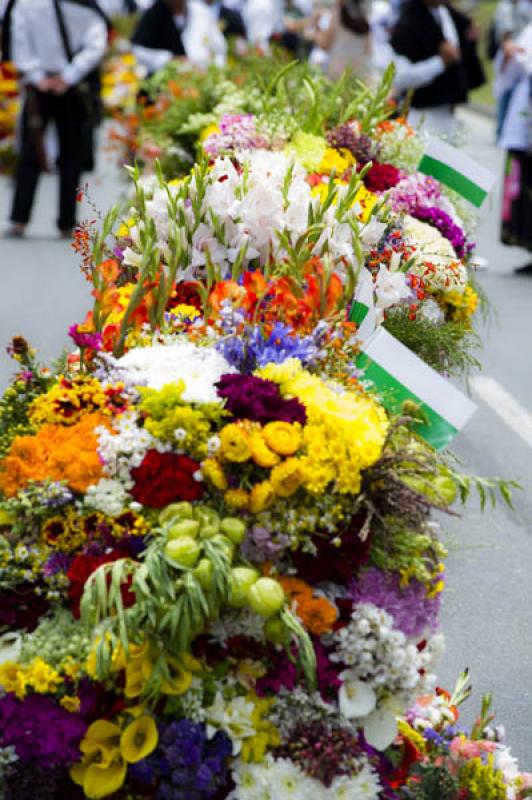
x=235 y=443
x=261 y=453
x=262 y=496
x=283 y=437
x=287 y=477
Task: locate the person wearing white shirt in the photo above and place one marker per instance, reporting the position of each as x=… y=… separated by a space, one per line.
x=54 y=66
x=434 y=50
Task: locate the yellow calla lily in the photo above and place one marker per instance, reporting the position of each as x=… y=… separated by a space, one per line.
x=99 y=781
x=102 y=739
x=139 y=739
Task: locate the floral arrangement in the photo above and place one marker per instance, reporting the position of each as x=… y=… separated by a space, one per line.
x=220 y=577
x=9 y=109
x=122 y=76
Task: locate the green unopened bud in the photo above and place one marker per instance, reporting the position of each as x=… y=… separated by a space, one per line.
x=234 y=528
x=242 y=579
x=203 y=573
x=209 y=530
x=206 y=515
x=184 y=551
x=276 y=632
x=185 y=527
x=176 y=511
x=266 y=597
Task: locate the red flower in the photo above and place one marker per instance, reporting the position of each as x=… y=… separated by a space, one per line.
x=164 y=478
x=80 y=571
x=382 y=177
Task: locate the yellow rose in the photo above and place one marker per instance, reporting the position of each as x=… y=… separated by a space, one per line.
x=282 y=437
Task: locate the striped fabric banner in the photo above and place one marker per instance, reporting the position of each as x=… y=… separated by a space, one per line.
x=362 y=311
x=397 y=375
x=457 y=170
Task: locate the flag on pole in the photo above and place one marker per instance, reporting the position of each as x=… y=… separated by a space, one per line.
x=398 y=375
x=363 y=308
x=457 y=170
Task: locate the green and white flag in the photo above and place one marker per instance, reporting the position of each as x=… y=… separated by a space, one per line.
x=363 y=309
x=457 y=170
x=398 y=375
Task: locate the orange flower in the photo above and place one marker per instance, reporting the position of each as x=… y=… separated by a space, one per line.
x=317 y=614
x=56 y=453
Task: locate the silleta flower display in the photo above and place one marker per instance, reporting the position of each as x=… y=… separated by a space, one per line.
x=219 y=574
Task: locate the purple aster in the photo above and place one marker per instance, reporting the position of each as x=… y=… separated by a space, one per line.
x=248 y=397
x=413 y=611
x=42 y=733
x=57 y=562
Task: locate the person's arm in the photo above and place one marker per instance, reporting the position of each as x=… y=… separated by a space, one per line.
x=23 y=51
x=92 y=51
x=151 y=58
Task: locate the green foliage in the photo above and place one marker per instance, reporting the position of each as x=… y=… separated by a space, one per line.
x=448 y=348
x=433 y=783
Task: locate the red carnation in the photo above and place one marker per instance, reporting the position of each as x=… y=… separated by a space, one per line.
x=164 y=478
x=381 y=177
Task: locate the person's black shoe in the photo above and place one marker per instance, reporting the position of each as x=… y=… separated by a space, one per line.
x=526 y=270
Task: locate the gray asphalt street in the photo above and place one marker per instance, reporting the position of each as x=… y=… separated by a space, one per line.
x=487 y=615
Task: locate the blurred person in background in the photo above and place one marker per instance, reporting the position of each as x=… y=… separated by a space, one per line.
x=347 y=39
x=264 y=19
x=513 y=65
x=116 y=8
x=435 y=52
x=510 y=20
x=57 y=46
x=180 y=29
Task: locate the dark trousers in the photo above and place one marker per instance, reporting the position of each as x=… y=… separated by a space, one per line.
x=66 y=112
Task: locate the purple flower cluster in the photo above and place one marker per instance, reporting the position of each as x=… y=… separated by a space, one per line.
x=453 y=233
x=413 y=191
x=187 y=765
x=237 y=132
x=42 y=733
x=261 y=546
x=413 y=611
x=248 y=397
x=256 y=349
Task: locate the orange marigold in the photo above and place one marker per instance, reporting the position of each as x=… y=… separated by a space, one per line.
x=55 y=453
x=316 y=613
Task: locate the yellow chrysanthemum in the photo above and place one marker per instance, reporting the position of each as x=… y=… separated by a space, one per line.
x=344 y=433
x=213 y=472
x=237 y=499
x=261 y=453
x=255 y=748
x=338 y=160
x=262 y=496
x=42 y=677
x=235 y=443
x=283 y=437
x=13 y=679
x=287 y=477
